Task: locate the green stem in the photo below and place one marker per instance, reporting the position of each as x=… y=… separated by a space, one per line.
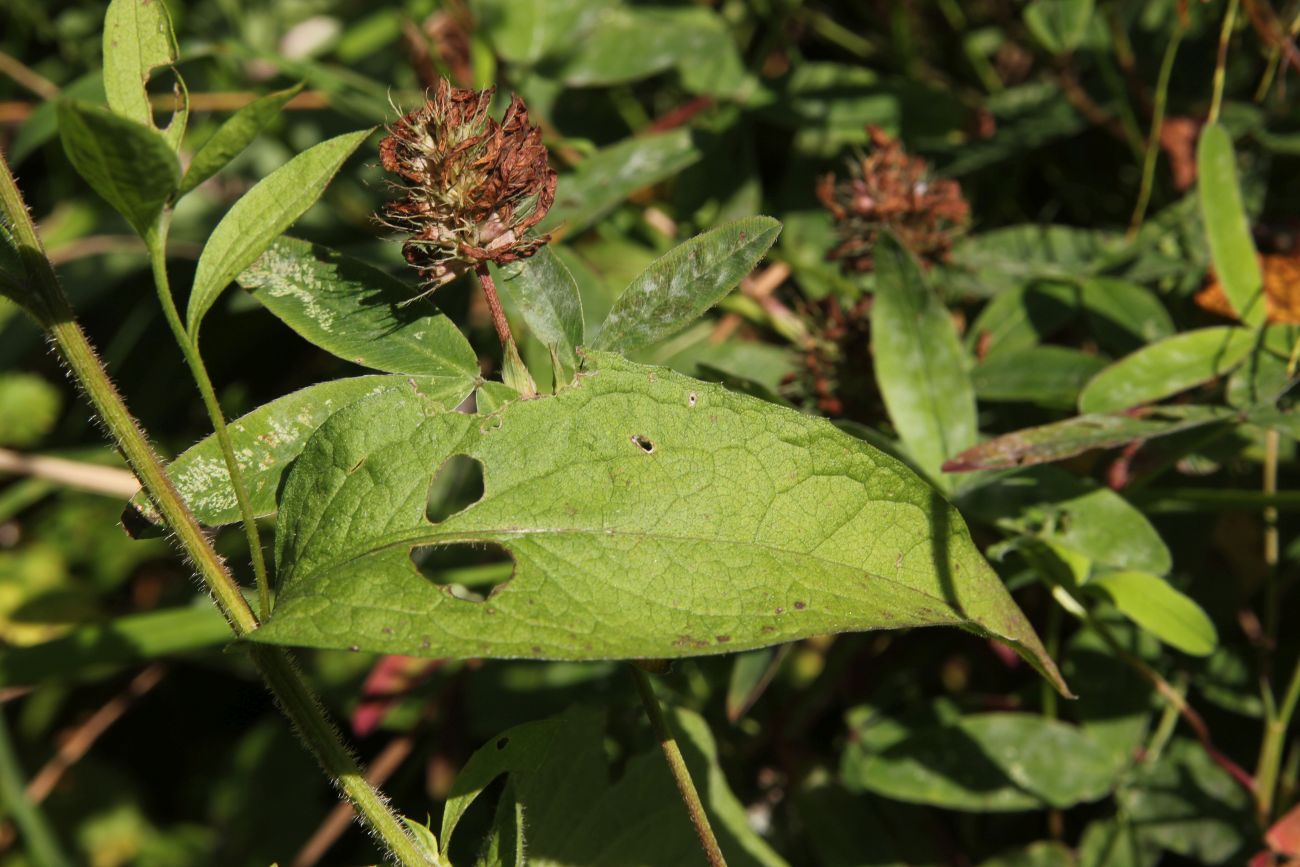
x=1270 y=752
x=189 y=345
x=1153 y=137
x=677 y=767
x=39 y=839
x=1221 y=62
x=47 y=303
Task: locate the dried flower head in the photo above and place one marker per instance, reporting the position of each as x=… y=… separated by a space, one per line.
x=887 y=189
x=471 y=187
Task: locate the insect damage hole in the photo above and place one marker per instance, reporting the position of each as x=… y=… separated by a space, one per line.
x=471 y=571
x=644 y=443
x=457 y=485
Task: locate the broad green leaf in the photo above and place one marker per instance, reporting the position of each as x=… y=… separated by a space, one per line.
x=681 y=285
x=1047 y=375
x=29 y=407
x=131 y=166
x=261 y=215
x=628 y=502
x=607 y=177
x=1226 y=227
x=919 y=364
x=1002 y=259
x=1152 y=603
x=526 y=31
x=233 y=136
x=576 y=817
x=985 y=763
x=1114 y=842
x=1059 y=25
x=267 y=440
x=358 y=312
x=1259 y=382
x=1074 y=436
x=138 y=39
x=1044 y=853
x=1021 y=318
x=542 y=289
x=1122 y=315
x=1166 y=367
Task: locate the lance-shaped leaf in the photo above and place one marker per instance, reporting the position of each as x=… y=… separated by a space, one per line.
x=131 y=166
x=1166 y=367
x=259 y=217
x=919 y=362
x=544 y=291
x=234 y=135
x=648 y=515
x=267 y=440
x=682 y=284
x=138 y=38
x=1226 y=227
x=1154 y=604
x=358 y=312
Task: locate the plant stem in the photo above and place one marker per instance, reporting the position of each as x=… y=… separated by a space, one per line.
x=189 y=345
x=1157 y=123
x=47 y=303
x=1221 y=62
x=39 y=839
x=1270 y=752
x=499 y=320
x=677 y=767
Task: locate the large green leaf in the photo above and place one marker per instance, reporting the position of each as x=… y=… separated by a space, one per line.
x=138 y=39
x=576 y=817
x=357 y=312
x=131 y=166
x=233 y=136
x=544 y=291
x=682 y=284
x=1166 y=367
x=1123 y=316
x=267 y=440
x=526 y=31
x=1047 y=375
x=919 y=362
x=1152 y=603
x=648 y=515
x=1226 y=228
x=259 y=217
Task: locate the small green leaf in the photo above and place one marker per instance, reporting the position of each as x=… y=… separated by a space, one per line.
x=684 y=283
x=267 y=440
x=1226 y=227
x=357 y=312
x=1166 y=367
x=131 y=166
x=919 y=362
x=233 y=136
x=1152 y=603
x=1046 y=375
x=261 y=215
x=630 y=501
x=1022 y=317
x=544 y=291
x=138 y=39
x=1122 y=315
x=1059 y=25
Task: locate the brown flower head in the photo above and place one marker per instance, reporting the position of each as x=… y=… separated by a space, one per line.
x=887 y=189
x=471 y=187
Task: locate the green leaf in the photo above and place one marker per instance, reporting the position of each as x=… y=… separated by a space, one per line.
x=576 y=817
x=1166 y=367
x=985 y=763
x=1122 y=315
x=1152 y=603
x=544 y=291
x=628 y=501
x=267 y=440
x=233 y=136
x=919 y=363
x=138 y=39
x=1047 y=375
x=358 y=312
x=1022 y=317
x=261 y=215
x=681 y=285
x=1227 y=230
x=1074 y=436
x=607 y=177
x=1044 y=853
x=131 y=166
x=1005 y=258
x=1059 y=25
x=526 y=31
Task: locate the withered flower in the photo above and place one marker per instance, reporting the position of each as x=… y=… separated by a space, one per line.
x=888 y=189
x=471 y=187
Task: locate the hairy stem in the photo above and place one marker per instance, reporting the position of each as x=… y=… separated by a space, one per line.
x=47 y=303
x=499 y=321
x=677 y=767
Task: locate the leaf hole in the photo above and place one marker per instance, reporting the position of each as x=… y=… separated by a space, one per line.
x=502 y=743
x=469 y=571
x=690 y=401
x=457 y=485
x=644 y=443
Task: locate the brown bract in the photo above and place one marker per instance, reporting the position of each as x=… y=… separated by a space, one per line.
x=888 y=189
x=1281 y=275
x=470 y=187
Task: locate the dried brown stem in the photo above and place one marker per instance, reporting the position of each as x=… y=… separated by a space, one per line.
x=499 y=321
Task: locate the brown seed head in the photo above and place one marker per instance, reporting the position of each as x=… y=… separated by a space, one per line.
x=471 y=187
x=887 y=189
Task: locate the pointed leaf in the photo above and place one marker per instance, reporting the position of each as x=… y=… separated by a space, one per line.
x=1059 y=24
x=261 y=215
x=357 y=312
x=1046 y=375
x=138 y=39
x=685 y=282
x=233 y=136
x=1226 y=227
x=1154 y=604
x=631 y=503
x=919 y=363
x=1166 y=367
x=131 y=166
x=544 y=291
